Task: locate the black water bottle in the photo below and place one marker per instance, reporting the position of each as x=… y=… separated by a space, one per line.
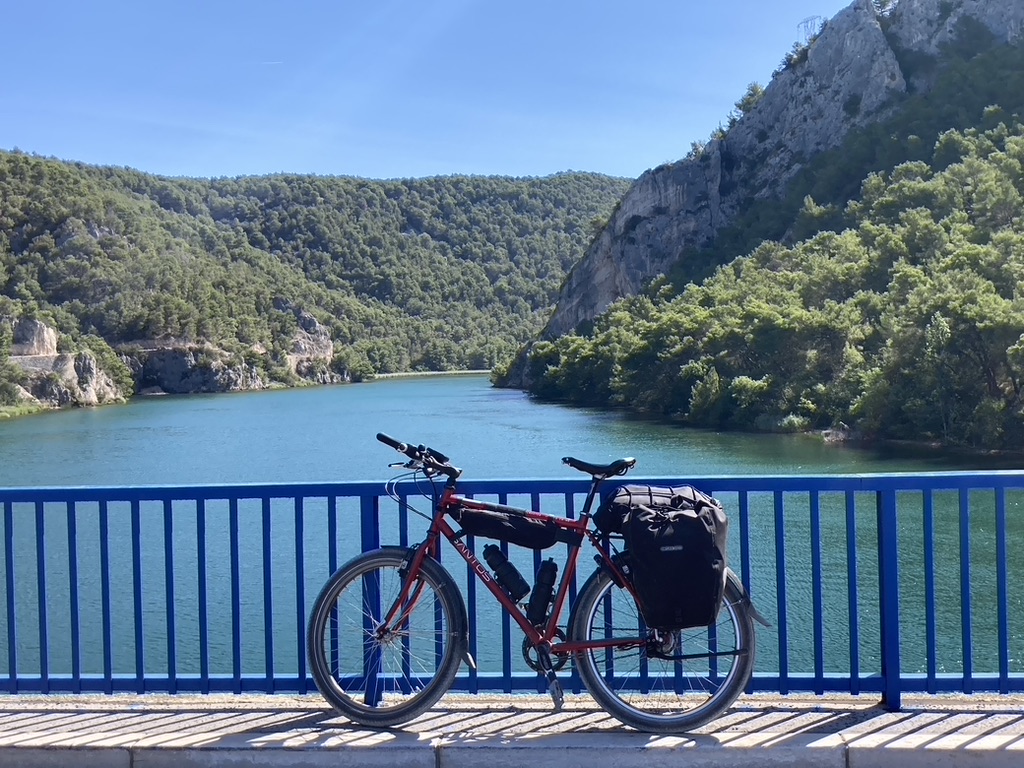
x=537 y=610
x=505 y=573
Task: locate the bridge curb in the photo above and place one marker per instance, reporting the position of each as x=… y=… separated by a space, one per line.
x=507 y=755
x=157 y=731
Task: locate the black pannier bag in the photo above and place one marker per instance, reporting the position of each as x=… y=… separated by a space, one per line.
x=676 y=540
x=515 y=529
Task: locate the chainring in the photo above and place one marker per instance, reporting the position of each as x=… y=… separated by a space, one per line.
x=530 y=655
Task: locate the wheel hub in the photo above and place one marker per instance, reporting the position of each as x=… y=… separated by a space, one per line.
x=385 y=635
x=663 y=644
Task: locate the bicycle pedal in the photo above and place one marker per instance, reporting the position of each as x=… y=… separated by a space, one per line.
x=555 y=689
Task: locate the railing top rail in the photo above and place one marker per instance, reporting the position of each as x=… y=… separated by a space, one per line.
x=184 y=492
x=890 y=481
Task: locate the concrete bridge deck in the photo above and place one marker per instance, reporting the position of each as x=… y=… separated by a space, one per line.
x=504 y=732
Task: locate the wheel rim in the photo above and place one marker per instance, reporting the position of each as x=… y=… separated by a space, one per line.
x=374 y=668
x=655 y=689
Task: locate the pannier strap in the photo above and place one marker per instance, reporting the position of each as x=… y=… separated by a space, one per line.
x=617 y=467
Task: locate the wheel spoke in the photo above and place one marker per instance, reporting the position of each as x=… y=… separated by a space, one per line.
x=379 y=674
x=676 y=680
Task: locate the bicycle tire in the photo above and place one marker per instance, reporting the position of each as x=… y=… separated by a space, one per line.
x=385 y=681
x=654 y=694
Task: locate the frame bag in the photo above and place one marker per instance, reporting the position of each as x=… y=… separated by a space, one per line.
x=515 y=529
x=676 y=538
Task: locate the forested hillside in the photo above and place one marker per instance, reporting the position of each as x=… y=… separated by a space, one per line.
x=428 y=274
x=891 y=307
x=908 y=323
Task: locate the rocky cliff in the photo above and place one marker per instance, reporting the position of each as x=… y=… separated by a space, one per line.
x=179 y=367
x=312 y=351
x=54 y=379
x=33 y=338
x=185 y=368
x=847 y=80
x=182 y=367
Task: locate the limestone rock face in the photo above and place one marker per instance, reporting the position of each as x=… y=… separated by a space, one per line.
x=56 y=380
x=675 y=204
x=312 y=349
x=806 y=109
x=182 y=367
x=172 y=366
x=850 y=76
x=186 y=369
x=312 y=339
x=59 y=380
x=847 y=81
x=33 y=337
x=71 y=380
x=924 y=25
x=94 y=385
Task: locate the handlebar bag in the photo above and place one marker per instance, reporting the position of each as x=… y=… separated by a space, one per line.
x=677 y=552
x=515 y=529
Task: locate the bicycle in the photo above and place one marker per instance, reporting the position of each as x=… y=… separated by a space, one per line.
x=403 y=611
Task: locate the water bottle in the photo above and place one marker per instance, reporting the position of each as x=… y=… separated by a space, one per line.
x=537 y=610
x=506 y=574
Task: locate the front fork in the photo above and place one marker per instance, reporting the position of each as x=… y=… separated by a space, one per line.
x=412 y=591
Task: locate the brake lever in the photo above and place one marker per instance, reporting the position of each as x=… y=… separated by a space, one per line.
x=411 y=464
x=435 y=455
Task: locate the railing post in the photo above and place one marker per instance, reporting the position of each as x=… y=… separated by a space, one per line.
x=235 y=569
x=12 y=636
x=965 y=590
x=889 y=598
x=44 y=646
x=369 y=520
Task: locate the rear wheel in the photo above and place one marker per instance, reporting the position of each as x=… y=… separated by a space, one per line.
x=667 y=682
x=377 y=675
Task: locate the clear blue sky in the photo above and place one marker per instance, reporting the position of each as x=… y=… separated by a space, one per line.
x=383 y=88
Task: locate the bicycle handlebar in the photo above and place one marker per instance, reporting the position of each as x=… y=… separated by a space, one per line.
x=389 y=440
x=435 y=461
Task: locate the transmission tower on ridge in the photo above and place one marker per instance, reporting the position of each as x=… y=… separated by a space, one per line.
x=810 y=27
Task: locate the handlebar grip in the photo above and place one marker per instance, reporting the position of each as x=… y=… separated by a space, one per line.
x=388 y=440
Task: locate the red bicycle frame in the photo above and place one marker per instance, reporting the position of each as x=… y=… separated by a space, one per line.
x=545 y=636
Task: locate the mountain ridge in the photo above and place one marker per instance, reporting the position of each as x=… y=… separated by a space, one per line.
x=844 y=79
x=206 y=285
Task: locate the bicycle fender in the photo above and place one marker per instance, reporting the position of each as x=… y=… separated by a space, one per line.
x=730 y=575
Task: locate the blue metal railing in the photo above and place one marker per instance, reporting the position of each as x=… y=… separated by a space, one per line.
x=879 y=584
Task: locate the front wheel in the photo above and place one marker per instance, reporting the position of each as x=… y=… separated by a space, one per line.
x=385 y=675
x=668 y=683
